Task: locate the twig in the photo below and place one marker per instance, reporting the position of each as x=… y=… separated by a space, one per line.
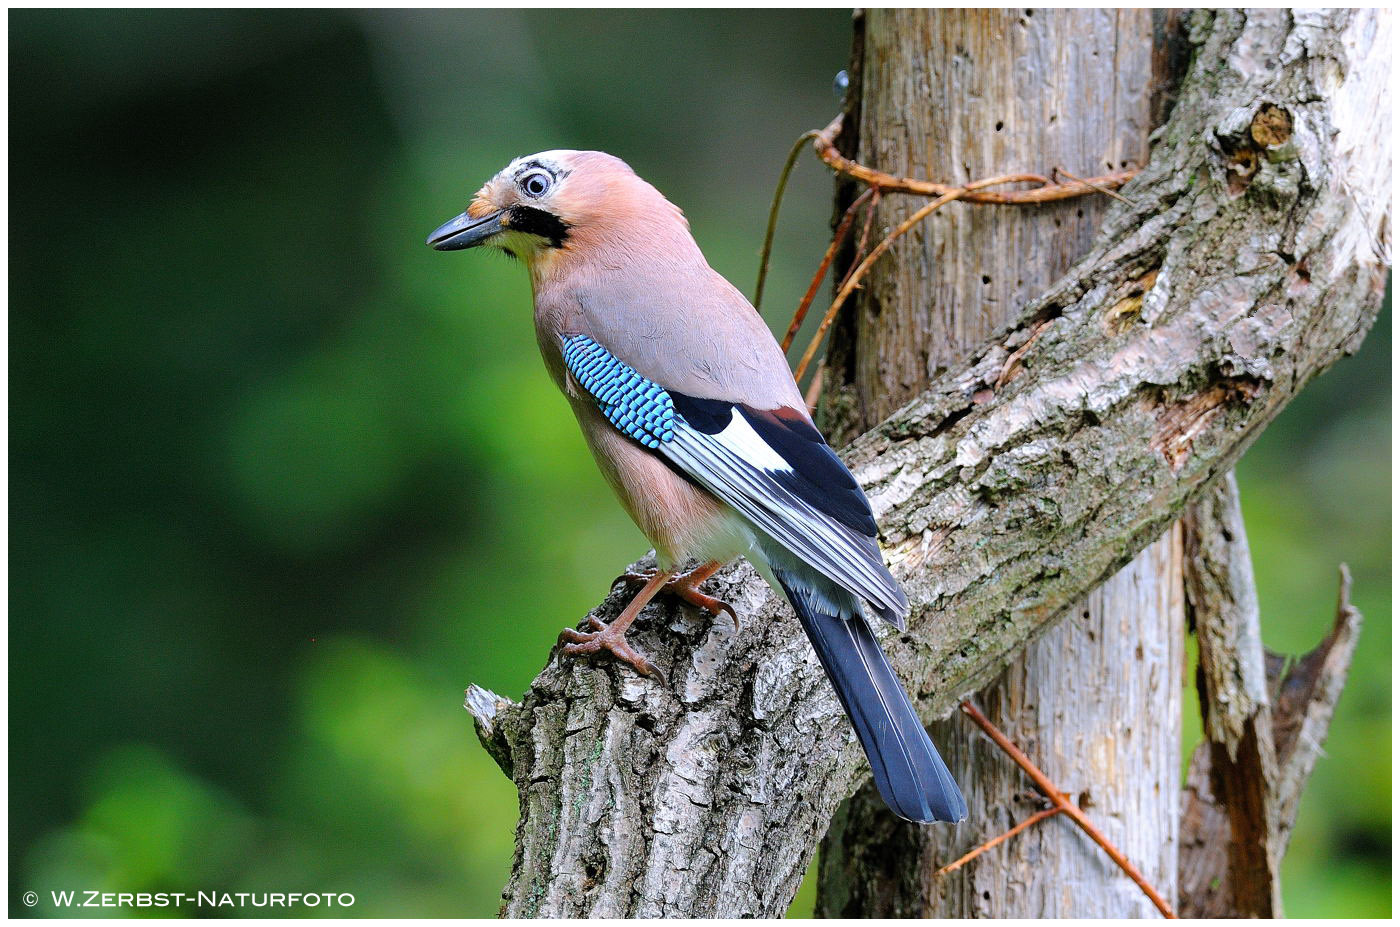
x=825 y=144
x=1047 y=788
x=859 y=254
x=767 y=253
x=1000 y=838
x=853 y=279
x=1013 y=361
x=1089 y=183
x=814 y=389
x=845 y=226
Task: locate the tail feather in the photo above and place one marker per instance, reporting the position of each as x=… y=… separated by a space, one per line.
x=911 y=776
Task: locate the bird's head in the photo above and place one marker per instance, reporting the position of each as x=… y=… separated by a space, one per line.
x=544 y=205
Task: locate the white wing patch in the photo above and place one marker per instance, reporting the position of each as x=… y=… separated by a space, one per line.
x=739 y=467
x=740 y=437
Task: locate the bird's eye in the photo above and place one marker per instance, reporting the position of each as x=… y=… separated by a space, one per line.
x=536 y=183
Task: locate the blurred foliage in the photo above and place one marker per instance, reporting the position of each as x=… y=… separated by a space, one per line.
x=284 y=481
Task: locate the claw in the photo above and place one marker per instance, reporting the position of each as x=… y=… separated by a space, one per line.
x=649 y=668
x=708 y=603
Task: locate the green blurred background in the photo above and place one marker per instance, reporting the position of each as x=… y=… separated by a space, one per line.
x=284 y=481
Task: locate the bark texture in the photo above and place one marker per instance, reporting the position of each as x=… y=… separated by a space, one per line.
x=1246 y=264
x=963 y=94
x=1247 y=776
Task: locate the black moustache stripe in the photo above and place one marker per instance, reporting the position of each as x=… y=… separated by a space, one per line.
x=534 y=221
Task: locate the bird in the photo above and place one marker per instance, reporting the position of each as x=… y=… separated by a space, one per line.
x=693 y=416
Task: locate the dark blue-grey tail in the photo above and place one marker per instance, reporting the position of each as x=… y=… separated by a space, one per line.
x=911 y=776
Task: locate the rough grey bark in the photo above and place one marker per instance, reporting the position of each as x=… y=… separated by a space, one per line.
x=1249 y=261
x=1247 y=776
x=958 y=95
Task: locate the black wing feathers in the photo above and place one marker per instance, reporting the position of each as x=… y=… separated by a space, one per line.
x=819 y=477
x=707 y=415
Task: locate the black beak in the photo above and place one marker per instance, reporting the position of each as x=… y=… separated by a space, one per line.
x=465 y=232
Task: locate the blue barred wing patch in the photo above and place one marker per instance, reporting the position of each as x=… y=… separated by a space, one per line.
x=635 y=405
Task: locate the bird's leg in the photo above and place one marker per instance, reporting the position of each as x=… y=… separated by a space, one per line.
x=686 y=586
x=612 y=636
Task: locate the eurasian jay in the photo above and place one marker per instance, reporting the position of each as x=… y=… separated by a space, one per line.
x=690 y=409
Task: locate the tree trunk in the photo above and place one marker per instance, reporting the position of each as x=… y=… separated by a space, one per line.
x=1253 y=254
x=958 y=95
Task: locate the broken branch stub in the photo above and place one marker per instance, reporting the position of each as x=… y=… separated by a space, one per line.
x=1265 y=720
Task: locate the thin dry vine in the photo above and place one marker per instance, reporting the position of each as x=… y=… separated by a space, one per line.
x=877 y=183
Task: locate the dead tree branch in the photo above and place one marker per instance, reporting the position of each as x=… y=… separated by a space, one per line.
x=1247 y=775
x=707 y=796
